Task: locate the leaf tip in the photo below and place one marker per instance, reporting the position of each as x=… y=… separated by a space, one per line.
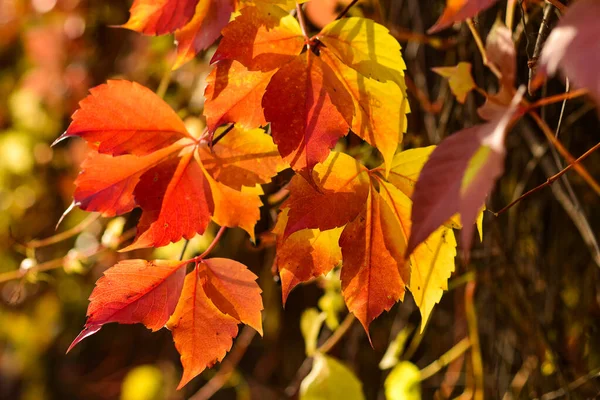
x=87 y=331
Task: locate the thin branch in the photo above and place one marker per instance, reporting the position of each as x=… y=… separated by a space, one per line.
x=595 y=373
x=164 y=83
x=559 y=6
x=228 y=366
x=550 y=180
x=481 y=47
x=565 y=153
x=559 y=97
x=346 y=10
x=59 y=237
x=476 y=358
x=337 y=334
x=456 y=351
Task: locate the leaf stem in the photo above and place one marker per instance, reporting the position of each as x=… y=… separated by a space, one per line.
x=337 y=334
x=481 y=47
x=59 y=237
x=212 y=245
x=164 y=83
x=456 y=351
x=550 y=180
x=346 y=10
x=301 y=21
x=476 y=359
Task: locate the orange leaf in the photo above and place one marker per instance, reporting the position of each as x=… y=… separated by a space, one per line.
x=203 y=30
x=134 y=291
x=177 y=195
x=216 y=296
x=158 y=17
x=374 y=274
x=233 y=94
x=242 y=158
x=305 y=254
x=126 y=118
x=340 y=188
x=459 y=10
x=261 y=38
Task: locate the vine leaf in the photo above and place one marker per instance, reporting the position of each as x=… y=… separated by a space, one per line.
x=375 y=223
x=459 y=10
x=330 y=379
x=216 y=297
x=169 y=182
x=459 y=78
x=134 y=291
x=457 y=177
x=197 y=24
x=575 y=34
x=339 y=84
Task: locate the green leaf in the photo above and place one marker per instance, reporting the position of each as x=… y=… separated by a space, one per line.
x=395 y=349
x=404 y=382
x=330 y=379
x=310 y=325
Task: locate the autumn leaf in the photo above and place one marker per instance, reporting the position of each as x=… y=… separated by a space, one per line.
x=457 y=177
x=459 y=78
x=197 y=24
x=573 y=47
x=376 y=222
x=305 y=254
x=459 y=10
x=134 y=291
x=169 y=182
x=216 y=297
x=338 y=85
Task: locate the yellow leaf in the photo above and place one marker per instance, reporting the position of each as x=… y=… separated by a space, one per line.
x=403 y=383
x=459 y=78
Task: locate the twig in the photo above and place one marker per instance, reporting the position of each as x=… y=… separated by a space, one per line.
x=550 y=180
x=564 y=152
x=482 y=50
x=337 y=334
x=556 y=98
x=456 y=351
x=572 y=386
x=228 y=366
x=59 y=237
x=164 y=83
x=345 y=10
x=543 y=33
x=476 y=359
x=521 y=378
x=559 y=6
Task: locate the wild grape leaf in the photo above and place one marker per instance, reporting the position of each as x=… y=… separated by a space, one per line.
x=216 y=297
x=197 y=23
x=153 y=17
x=376 y=221
x=379 y=107
x=459 y=10
x=334 y=198
x=457 y=177
x=203 y=30
x=177 y=194
x=573 y=47
x=305 y=254
x=134 y=291
x=340 y=84
x=234 y=94
x=330 y=379
x=459 y=78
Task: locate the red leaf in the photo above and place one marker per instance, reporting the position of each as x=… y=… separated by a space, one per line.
x=158 y=17
x=459 y=10
x=216 y=296
x=573 y=46
x=176 y=202
x=134 y=291
x=126 y=118
x=307 y=125
x=457 y=177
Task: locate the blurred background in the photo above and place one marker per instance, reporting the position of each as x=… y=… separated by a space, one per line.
x=531 y=293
